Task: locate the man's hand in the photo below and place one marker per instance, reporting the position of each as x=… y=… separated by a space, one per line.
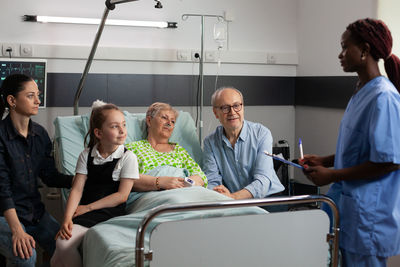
x=223 y=190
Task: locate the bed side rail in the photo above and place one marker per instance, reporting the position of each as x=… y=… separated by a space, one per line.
x=333 y=236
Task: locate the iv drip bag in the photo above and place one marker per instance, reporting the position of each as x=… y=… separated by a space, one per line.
x=220 y=33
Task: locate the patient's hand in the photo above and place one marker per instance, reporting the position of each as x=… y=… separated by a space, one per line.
x=223 y=190
x=167 y=182
x=197 y=179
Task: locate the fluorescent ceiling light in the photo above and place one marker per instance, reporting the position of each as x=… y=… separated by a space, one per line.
x=112 y=22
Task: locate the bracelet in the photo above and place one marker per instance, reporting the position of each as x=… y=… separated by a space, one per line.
x=158 y=183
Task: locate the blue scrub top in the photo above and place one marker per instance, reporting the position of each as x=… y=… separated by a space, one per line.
x=370 y=209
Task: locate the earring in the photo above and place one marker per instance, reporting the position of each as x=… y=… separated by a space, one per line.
x=362 y=56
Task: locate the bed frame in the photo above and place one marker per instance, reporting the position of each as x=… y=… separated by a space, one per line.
x=295 y=238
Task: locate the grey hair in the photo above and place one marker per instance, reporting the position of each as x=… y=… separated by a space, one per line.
x=218 y=92
x=156 y=107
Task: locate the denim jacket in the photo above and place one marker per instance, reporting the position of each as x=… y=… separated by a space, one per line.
x=22 y=161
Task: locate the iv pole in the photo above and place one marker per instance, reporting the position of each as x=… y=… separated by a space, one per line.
x=185 y=17
x=110 y=5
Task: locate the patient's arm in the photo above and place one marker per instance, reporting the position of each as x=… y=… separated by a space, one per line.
x=149 y=183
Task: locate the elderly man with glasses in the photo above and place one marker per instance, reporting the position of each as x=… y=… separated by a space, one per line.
x=234 y=162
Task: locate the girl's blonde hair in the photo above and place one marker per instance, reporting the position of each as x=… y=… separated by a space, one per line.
x=97 y=118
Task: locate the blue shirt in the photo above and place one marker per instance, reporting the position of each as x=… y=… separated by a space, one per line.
x=22 y=161
x=370 y=209
x=244 y=166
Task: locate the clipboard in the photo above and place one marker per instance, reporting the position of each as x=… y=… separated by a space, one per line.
x=275 y=157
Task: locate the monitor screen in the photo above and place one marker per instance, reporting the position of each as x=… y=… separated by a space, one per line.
x=34 y=68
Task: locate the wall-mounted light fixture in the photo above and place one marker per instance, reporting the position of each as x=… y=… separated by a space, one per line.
x=91 y=21
x=110 y=5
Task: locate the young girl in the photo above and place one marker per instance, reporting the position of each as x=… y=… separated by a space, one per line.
x=103 y=181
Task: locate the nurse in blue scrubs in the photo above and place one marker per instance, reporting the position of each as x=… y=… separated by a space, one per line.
x=366 y=175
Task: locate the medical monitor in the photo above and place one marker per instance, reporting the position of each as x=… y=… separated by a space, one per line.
x=35 y=68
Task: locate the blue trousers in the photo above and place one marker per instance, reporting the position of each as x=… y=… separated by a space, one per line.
x=356 y=260
x=43 y=232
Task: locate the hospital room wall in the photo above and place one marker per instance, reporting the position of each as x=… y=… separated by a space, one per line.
x=252 y=34
x=322 y=88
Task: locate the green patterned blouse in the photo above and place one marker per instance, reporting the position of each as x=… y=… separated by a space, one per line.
x=149 y=158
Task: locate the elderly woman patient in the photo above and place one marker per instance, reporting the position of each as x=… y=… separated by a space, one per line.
x=162 y=164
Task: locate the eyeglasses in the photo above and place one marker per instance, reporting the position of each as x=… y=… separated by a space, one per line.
x=226 y=108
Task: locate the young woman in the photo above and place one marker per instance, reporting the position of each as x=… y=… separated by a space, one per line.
x=104 y=177
x=25 y=155
x=366 y=172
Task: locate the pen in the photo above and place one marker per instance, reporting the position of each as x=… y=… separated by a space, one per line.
x=301 y=148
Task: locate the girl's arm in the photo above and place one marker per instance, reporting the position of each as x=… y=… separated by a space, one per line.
x=113 y=200
x=72 y=204
x=22 y=242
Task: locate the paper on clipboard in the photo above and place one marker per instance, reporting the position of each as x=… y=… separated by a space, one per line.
x=275 y=157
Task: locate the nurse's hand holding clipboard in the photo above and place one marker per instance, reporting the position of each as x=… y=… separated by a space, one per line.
x=317 y=169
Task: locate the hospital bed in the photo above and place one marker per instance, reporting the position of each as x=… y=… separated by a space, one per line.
x=195 y=226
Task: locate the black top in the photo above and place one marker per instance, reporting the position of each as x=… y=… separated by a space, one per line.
x=22 y=161
x=99 y=184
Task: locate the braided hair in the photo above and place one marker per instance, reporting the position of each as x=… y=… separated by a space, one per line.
x=377 y=35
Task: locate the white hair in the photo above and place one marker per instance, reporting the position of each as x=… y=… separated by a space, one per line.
x=218 y=92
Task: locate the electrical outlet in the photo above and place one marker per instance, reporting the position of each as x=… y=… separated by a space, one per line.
x=10 y=50
x=183 y=55
x=195 y=56
x=26 y=50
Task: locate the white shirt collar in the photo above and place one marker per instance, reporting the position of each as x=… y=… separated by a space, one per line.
x=98 y=159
